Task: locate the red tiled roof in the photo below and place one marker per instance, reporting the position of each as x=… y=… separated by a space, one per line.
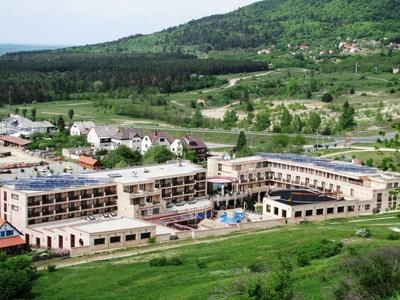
x=11 y=241
x=87 y=160
x=159 y=134
x=14 y=140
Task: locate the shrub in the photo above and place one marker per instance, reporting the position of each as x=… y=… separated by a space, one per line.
x=303 y=260
x=258 y=267
x=175 y=261
x=319 y=249
x=353 y=251
x=372 y=276
x=158 y=261
x=163 y=261
x=363 y=232
x=327 y=98
x=393 y=236
x=152 y=240
x=51 y=268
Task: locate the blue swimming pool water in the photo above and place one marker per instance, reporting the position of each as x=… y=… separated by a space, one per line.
x=239 y=216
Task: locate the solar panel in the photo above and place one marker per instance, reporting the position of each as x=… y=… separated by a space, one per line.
x=320 y=162
x=54 y=182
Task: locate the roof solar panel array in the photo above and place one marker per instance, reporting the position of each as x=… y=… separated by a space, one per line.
x=54 y=182
x=320 y=162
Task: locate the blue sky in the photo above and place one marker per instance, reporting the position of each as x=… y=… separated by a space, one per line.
x=77 y=22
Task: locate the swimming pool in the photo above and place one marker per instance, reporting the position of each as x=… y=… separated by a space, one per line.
x=231 y=220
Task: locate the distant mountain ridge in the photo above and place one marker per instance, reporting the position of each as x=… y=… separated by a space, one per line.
x=279 y=22
x=11 y=48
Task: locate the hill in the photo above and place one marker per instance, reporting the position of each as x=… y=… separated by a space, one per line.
x=279 y=22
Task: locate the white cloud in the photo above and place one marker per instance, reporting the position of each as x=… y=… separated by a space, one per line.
x=69 y=22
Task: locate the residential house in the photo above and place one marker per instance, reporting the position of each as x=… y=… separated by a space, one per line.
x=11 y=240
x=130 y=137
x=157 y=138
x=100 y=137
x=17 y=125
x=191 y=143
x=81 y=128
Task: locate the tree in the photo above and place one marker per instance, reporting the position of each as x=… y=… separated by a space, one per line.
x=24 y=112
x=60 y=123
x=286 y=119
x=241 y=142
x=346 y=119
x=292 y=87
x=263 y=120
x=314 y=120
x=123 y=156
x=197 y=120
x=158 y=155
x=98 y=86
x=16 y=277
x=71 y=114
x=230 y=119
x=33 y=114
x=249 y=107
x=16 y=111
x=327 y=98
x=297 y=124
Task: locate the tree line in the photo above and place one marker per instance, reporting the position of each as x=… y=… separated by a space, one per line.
x=43 y=76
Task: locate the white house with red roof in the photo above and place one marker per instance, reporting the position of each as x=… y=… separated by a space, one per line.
x=11 y=240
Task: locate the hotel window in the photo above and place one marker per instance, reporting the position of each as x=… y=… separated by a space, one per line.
x=283 y=213
x=352 y=192
x=130 y=237
x=115 y=239
x=298 y=214
x=320 y=211
x=100 y=241
x=340 y=209
x=145 y=235
x=330 y=210
x=350 y=208
x=309 y=213
x=268 y=208
x=220 y=167
x=5 y=196
x=367 y=206
x=396 y=184
x=15 y=207
x=14 y=196
x=276 y=211
x=379 y=197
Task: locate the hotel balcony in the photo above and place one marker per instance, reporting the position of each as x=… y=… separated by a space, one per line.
x=34 y=202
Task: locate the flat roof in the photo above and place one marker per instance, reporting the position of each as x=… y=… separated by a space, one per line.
x=113 y=224
x=14 y=140
x=295 y=197
x=96 y=226
x=149 y=173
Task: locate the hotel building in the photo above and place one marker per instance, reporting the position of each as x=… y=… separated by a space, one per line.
x=373 y=189
x=54 y=211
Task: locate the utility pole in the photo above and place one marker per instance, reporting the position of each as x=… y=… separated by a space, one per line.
x=356 y=68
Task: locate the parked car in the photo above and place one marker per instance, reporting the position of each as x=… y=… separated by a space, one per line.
x=181 y=203
x=191 y=201
x=170 y=205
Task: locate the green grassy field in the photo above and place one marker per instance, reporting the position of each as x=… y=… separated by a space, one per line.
x=226 y=264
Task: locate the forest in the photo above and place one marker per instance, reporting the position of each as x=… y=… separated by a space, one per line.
x=45 y=76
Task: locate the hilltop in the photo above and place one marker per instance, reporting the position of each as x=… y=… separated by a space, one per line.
x=271 y=22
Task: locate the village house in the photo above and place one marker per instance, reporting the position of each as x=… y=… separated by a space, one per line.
x=158 y=138
x=17 y=125
x=100 y=137
x=130 y=137
x=81 y=128
x=11 y=240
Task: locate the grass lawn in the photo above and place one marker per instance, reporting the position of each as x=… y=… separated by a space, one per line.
x=226 y=263
x=377 y=156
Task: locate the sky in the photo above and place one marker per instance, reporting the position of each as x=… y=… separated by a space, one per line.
x=80 y=22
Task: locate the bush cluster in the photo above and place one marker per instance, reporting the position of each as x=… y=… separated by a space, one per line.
x=317 y=250
x=163 y=261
